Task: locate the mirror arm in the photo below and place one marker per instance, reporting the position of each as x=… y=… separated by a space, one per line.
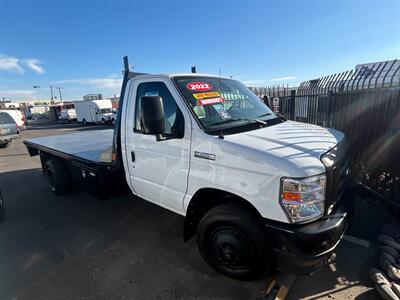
x=160 y=137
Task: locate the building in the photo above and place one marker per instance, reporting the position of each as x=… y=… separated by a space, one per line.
x=93 y=97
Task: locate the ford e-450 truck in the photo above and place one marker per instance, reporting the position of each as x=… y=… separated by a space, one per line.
x=259 y=192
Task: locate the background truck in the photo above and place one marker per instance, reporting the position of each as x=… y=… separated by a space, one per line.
x=94 y=111
x=68 y=115
x=259 y=192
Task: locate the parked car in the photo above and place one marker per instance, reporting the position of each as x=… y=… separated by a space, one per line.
x=18 y=116
x=259 y=191
x=8 y=129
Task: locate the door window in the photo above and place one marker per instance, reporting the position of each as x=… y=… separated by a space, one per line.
x=174 y=121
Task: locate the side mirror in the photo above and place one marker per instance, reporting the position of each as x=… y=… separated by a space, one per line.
x=152 y=115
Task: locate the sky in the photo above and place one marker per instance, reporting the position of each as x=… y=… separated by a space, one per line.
x=78 y=45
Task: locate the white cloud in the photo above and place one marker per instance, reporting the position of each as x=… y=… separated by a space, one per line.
x=105 y=83
x=287 y=78
x=256 y=82
x=15 y=64
x=16 y=94
x=10 y=63
x=261 y=82
x=34 y=65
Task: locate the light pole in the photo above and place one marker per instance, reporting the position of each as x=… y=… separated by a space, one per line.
x=37 y=91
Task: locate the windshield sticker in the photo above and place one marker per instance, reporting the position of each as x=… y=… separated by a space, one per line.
x=199 y=86
x=206 y=95
x=222 y=112
x=209 y=101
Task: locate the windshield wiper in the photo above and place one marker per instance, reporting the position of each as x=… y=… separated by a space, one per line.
x=264 y=115
x=235 y=120
x=225 y=122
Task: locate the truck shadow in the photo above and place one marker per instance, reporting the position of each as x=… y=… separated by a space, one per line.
x=77 y=245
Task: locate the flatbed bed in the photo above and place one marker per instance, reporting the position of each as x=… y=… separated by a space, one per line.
x=80 y=145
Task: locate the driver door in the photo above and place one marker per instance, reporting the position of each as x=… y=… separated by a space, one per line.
x=159 y=169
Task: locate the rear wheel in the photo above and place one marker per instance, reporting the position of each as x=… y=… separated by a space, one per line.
x=84 y=122
x=57 y=176
x=233 y=243
x=103 y=121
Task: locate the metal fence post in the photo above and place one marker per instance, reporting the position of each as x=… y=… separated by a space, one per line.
x=292 y=106
x=330 y=116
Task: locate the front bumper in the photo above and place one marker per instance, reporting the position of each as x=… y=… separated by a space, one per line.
x=304 y=249
x=8 y=138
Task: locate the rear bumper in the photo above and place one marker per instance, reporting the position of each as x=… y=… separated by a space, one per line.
x=304 y=249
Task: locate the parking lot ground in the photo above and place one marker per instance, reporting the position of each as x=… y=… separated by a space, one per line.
x=78 y=247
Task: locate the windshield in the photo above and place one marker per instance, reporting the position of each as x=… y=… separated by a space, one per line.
x=106 y=110
x=222 y=103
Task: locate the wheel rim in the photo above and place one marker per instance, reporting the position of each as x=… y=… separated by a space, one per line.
x=51 y=179
x=231 y=248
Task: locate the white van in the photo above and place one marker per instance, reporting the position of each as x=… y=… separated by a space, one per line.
x=18 y=117
x=94 y=111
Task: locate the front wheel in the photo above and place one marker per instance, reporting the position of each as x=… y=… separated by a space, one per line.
x=84 y=122
x=233 y=243
x=4 y=145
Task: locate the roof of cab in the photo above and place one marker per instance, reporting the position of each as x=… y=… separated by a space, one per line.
x=144 y=75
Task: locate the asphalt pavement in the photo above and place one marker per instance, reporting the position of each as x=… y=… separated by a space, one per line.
x=78 y=247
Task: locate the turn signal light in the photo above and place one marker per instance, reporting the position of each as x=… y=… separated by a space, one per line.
x=291 y=196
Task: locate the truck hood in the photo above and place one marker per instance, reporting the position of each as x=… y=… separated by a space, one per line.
x=292 y=146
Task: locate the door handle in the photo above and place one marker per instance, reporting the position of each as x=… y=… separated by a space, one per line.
x=133 y=156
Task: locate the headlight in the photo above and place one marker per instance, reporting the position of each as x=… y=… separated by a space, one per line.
x=303 y=199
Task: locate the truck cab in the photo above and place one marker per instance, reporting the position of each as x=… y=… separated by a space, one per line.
x=260 y=192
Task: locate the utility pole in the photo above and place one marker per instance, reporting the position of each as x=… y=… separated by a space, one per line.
x=59 y=92
x=52 y=96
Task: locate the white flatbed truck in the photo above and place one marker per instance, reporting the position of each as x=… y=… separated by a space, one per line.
x=260 y=192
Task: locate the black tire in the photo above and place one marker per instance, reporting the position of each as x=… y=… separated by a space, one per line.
x=57 y=176
x=84 y=122
x=2 y=213
x=4 y=145
x=234 y=243
x=103 y=121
